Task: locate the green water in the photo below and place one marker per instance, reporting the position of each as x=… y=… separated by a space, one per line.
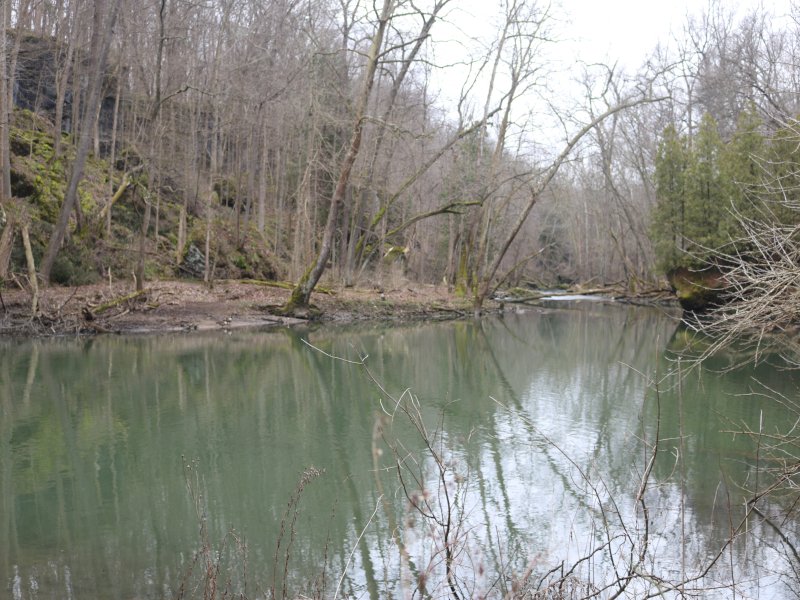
x=120 y=456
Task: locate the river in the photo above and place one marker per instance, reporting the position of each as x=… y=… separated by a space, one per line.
x=130 y=466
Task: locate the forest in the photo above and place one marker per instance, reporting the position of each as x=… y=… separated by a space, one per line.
x=395 y=145
x=299 y=139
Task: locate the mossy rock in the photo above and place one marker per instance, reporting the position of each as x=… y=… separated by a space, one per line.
x=19 y=146
x=698 y=290
x=21 y=185
x=194 y=262
x=30 y=121
x=245 y=258
x=87 y=200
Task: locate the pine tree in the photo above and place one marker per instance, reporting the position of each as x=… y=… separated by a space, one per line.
x=668 y=228
x=706 y=203
x=780 y=181
x=742 y=173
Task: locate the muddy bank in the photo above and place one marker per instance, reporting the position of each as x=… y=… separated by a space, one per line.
x=173 y=306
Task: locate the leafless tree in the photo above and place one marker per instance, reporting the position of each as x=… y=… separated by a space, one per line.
x=301 y=294
x=105 y=15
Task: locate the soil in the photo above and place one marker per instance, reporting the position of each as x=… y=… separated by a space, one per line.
x=171 y=306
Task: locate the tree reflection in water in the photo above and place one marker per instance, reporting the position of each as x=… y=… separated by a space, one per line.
x=92 y=434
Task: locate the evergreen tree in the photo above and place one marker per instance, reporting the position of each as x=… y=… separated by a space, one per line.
x=669 y=218
x=707 y=207
x=703 y=192
x=742 y=173
x=780 y=181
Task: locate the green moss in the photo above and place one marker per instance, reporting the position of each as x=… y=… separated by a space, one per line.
x=697 y=290
x=240 y=262
x=47 y=198
x=41 y=178
x=87 y=200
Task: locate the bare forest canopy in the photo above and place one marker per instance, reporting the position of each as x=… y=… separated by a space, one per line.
x=291 y=138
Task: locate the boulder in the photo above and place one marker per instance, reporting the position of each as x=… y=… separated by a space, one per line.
x=698 y=289
x=194 y=262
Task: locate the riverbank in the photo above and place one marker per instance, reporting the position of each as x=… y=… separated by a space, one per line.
x=174 y=306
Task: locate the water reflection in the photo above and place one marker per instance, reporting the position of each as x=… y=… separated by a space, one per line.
x=96 y=436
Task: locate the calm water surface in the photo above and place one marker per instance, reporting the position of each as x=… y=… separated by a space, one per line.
x=120 y=456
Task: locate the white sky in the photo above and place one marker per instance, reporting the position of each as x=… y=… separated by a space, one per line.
x=625 y=32
x=629 y=30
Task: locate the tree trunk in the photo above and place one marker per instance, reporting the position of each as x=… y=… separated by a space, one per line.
x=5 y=108
x=101 y=42
x=140 y=264
x=212 y=200
x=6 y=245
x=26 y=242
x=61 y=93
x=484 y=286
x=301 y=295
x=113 y=156
x=181 y=234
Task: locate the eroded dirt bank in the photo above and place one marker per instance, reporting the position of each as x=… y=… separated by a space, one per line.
x=167 y=306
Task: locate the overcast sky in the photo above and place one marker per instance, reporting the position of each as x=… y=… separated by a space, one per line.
x=629 y=29
x=625 y=32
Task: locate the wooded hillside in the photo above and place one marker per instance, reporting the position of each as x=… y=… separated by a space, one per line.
x=235 y=138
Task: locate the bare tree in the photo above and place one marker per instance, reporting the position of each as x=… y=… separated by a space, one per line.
x=537 y=183
x=5 y=105
x=357 y=241
x=63 y=69
x=105 y=15
x=7 y=234
x=622 y=198
x=301 y=294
